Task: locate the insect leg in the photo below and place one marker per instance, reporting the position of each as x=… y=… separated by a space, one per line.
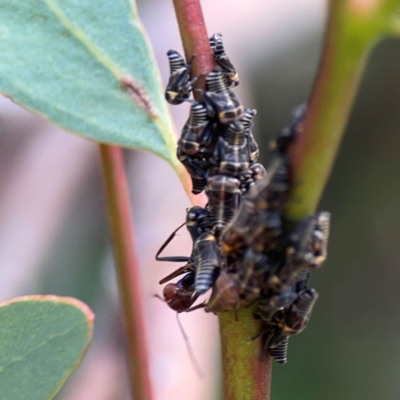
x=165 y=244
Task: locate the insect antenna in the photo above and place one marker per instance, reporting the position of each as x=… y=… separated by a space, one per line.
x=157 y=296
x=199 y=372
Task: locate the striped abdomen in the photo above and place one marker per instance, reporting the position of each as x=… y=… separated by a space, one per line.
x=224 y=197
x=176 y=61
x=220 y=57
x=207 y=262
x=215 y=82
x=279 y=352
x=320 y=238
x=234 y=134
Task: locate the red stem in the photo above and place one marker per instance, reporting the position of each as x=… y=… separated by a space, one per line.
x=128 y=272
x=194 y=38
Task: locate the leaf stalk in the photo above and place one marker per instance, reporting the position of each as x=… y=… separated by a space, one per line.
x=128 y=272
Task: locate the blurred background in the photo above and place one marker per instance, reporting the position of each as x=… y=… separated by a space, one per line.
x=54 y=237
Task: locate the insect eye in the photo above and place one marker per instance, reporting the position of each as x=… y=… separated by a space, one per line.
x=169 y=291
x=192 y=216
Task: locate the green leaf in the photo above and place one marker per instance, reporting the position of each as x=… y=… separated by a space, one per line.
x=42 y=341
x=67 y=60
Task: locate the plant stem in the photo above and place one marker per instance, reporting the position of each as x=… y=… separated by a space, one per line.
x=244 y=376
x=127 y=269
x=194 y=39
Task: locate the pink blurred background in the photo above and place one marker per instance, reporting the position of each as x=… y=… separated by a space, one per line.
x=54 y=235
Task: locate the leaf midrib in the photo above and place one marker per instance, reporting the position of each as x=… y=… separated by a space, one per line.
x=80 y=35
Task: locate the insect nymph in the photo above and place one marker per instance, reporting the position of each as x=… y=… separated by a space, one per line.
x=179 y=84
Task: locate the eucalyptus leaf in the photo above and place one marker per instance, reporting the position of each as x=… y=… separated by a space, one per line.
x=88 y=67
x=42 y=341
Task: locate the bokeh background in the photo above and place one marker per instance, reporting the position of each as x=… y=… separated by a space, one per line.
x=54 y=236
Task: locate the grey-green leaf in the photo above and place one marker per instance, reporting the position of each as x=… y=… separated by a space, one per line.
x=42 y=341
x=68 y=60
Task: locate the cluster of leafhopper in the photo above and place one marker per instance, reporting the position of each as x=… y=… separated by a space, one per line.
x=244 y=249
